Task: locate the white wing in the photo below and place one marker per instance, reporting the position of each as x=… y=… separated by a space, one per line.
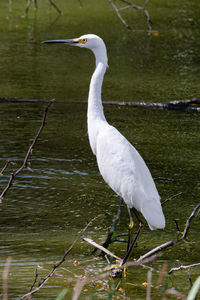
x=126 y=173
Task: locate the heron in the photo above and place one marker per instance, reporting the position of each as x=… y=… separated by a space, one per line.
x=119 y=163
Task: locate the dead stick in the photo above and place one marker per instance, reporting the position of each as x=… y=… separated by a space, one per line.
x=24 y=164
x=84 y=238
x=184 y=267
x=187 y=225
x=55 y=267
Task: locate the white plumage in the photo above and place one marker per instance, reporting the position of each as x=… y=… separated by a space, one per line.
x=121 y=166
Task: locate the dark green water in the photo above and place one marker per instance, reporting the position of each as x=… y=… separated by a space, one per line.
x=44 y=211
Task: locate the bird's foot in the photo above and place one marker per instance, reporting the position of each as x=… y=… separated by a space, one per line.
x=116 y=270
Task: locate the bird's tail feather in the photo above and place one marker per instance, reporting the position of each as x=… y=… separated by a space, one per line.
x=152 y=211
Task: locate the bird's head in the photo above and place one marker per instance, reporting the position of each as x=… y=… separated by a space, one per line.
x=89 y=41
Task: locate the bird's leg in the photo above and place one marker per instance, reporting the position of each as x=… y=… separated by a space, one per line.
x=130 y=250
x=116 y=270
x=108 y=240
x=131 y=225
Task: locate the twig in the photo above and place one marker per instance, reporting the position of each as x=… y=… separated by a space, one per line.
x=177 y=226
x=5 y=167
x=84 y=238
x=24 y=164
x=156 y=250
x=5 y=278
x=184 y=267
x=187 y=225
x=35 y=280
x=55 y=267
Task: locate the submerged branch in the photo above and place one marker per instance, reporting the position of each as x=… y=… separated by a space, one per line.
x=29 y=152
x=181 y=105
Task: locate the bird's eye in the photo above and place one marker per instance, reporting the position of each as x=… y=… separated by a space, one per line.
x=83 y=41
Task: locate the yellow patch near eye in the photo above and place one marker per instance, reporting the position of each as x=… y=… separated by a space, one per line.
x=82 y=41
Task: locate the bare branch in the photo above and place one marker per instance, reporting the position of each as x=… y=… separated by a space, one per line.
x=187 y=225
x=55 y=267
x=118 y=13
x=183 y=267
x=24 y=164
x=156 y=250
x=134 y=6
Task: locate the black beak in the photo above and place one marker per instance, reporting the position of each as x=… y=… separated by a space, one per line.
x=69 y=42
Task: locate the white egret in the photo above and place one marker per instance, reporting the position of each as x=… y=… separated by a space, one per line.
x=120 y=164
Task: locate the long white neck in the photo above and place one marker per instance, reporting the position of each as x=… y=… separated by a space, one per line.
x=95 y=114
